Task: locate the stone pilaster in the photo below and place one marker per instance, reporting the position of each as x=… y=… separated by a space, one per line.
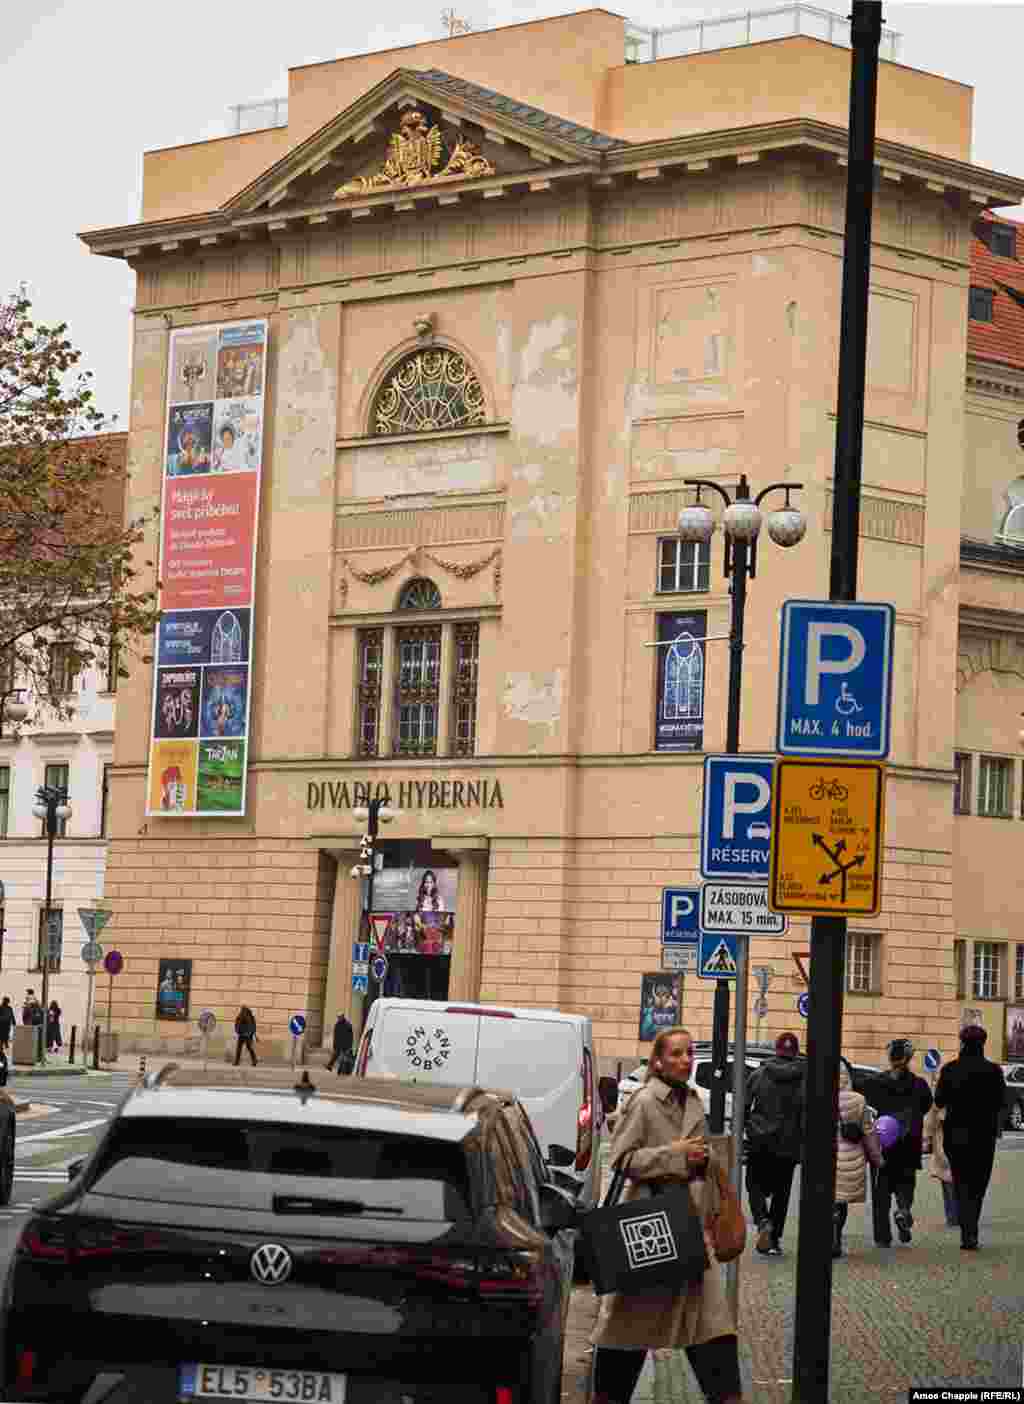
x=345 y=919
x=467 y=951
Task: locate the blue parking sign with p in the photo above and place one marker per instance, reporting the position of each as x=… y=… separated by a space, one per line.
x=835 y=679
x=736 y=828
x=680 y=916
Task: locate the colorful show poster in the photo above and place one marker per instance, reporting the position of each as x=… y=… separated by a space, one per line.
x=195 y=636
x=189 y=436
x=221 y=776
x=173 y=985
x=172 y=777
x=193 y=373
x=213 y=445
x=237 y=436
x=177 y=702
x=208 y=533
x=225 y=710
x=240 y=357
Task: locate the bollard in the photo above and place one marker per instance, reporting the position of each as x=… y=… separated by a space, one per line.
x=71 y=1050
x=96 y=1049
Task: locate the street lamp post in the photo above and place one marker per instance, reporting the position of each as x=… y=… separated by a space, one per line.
x=15 y=711
x=52 y=807
x=741 y=521
x=373 y=814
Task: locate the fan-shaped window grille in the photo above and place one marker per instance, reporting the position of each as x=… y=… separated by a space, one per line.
x=420 y=594
x=428 y=390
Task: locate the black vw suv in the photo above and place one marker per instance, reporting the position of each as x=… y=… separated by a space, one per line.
x=240 y=1235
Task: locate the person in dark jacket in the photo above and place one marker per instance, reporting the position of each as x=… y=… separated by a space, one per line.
x=774 y=1139
x=54 y=1036
x=906 y=1097
x=32 y=1011
x=245 y=1030
x=973 y=1091
x=342 y=1046
x=7 y=1021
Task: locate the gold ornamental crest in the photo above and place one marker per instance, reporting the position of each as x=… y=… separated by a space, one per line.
x=416 y=156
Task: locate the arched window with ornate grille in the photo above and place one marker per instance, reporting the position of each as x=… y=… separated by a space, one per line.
x=427 y=391
x=419 y=594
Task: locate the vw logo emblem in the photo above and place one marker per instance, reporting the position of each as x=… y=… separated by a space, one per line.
x=271 y=1264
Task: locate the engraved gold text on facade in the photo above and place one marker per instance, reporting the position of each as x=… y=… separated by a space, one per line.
x=429 y=390
x=416 y=155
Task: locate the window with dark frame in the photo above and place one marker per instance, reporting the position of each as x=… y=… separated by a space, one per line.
x=987 y=976
x=56 y=777
x=417 y=690
x=980 y=304
x=960 y=968
x=465 y=667
x=1003 y=242
x=105 y=799
x=684 y=567
x=862 y=962
x=1018 y=974
x=6 y=669
x=63 y=668
x=962 y=783
x=5 y=799
x=112 y=666
x=370 y=659
x=42 y=944
x=995 y=787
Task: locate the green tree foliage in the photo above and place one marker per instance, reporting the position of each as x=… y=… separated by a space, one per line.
x=73 y=572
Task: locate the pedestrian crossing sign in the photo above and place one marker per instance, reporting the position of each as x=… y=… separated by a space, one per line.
x=716 y=955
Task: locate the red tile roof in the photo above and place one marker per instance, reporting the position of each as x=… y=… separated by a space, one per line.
x=1002 y=339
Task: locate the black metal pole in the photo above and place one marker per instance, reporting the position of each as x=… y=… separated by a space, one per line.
x=51 y=832
x=813 y=1309
x=96 y=1048
x=71 y=1049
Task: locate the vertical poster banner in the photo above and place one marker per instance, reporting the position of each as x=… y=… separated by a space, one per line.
x=173 y=986
x=679 y=714
x=661 y=1003
x=213 y=459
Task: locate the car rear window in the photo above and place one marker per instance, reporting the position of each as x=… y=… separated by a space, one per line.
x=249 y=1165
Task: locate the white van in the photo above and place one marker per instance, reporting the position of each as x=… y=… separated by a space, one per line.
x=545 y=1058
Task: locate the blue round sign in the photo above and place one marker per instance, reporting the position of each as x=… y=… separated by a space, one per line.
x=379 y=968
x=297 y=1024
x=803 y=1003
x=932 y=1059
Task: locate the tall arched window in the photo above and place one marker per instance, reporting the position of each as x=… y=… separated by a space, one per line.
x=1012 y=526
x=684 y=680
x=428 y=390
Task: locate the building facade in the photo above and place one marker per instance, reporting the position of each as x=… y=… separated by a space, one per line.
x=517 y=290
x=73 y=753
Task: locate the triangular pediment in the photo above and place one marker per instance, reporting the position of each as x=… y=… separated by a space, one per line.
x=417 y=132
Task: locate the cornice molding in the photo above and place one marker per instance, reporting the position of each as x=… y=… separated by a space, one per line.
x=995 y=378
x=936 y=176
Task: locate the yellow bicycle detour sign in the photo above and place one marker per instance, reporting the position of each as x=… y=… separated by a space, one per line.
x=827 y=839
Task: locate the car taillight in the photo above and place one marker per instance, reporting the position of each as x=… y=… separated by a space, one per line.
x=585 y=1120
x=26 y=1368
x=47 y=1240
x=364 y=1054
x=503 y=1395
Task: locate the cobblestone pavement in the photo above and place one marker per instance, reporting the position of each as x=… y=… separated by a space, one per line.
x=915 y=1315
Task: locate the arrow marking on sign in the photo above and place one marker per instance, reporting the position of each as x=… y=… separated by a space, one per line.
x=841 y=869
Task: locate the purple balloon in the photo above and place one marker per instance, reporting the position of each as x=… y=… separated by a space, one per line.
x=889 y=1131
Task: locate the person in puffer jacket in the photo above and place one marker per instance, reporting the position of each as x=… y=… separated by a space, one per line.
x=856 y=1144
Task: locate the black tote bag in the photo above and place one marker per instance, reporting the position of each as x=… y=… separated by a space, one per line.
x=644 y=1246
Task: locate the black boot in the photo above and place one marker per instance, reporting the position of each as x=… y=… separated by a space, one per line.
x=838 y=1220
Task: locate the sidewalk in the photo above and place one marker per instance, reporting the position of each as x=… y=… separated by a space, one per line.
x=919 y=1315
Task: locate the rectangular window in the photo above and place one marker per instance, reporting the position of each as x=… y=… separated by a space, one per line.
x=113 y=663
x=63 y=668
x=862 y=962
x=683 y=565
x=370 y=656
x=995 y=787
x=55 y=943
x=960 y=968
x=105 y=801
x=980 y=304
x=417 y=690
x=56 y=777
x=463 y=700
x=962 y=783
x=1018 y=974
x=1003 y=241
x=988 y=970
x=6 y=669
x=5 y=799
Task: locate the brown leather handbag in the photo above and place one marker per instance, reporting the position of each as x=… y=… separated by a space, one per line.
x=728 y=1228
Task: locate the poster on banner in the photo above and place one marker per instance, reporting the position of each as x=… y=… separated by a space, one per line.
x=173 y=985
x=415 y=890
x=679 y=719
x=661 y=1003
x=213 y=457
x=1014 y=1033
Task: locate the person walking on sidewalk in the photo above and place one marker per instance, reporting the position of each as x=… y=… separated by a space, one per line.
x=938 y=1164
x=7 y=1021
x=774 y=1139
x=973 y=1091
x=907 y=1099
x=342 y=1046
x=857 y=1146
x=245 y=1031
x=54 y=1037
x=661 y=1134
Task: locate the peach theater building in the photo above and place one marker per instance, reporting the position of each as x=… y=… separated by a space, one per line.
x=518 y=286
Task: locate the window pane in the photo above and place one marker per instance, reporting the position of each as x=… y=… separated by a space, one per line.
x=5 y=801
x=683 y=566
x=1018 y=978
x=995 y=777
x=960 y=967
x=464 y=689
x=56 y=777
x=370 y=663
x=980 y=304
x=1003 y=243
x=962 y=783
x=416 y=690
x=860 y=949
x=987 y=962
x=55 y=944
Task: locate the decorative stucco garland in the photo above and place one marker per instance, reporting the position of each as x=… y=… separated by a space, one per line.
x=461 y=571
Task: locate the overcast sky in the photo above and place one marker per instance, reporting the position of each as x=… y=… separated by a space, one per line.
x=87 y=85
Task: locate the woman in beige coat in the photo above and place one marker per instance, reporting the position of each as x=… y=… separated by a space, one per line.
x=854 y=1150
x=938 y=1166
x=662 y=1136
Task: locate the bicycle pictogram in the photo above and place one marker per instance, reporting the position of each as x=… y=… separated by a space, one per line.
x=828 y=789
